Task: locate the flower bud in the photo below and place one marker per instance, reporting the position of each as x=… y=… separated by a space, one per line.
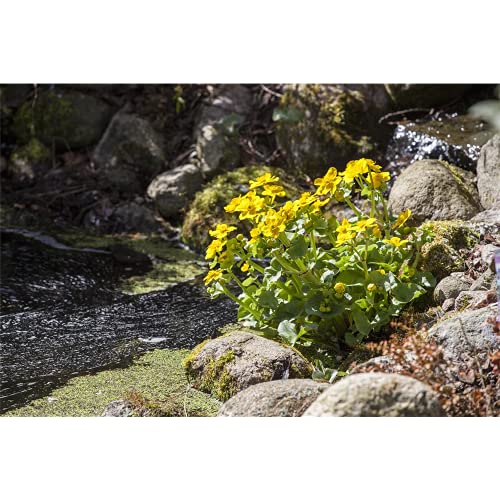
x=339 y=288
x=371 y=287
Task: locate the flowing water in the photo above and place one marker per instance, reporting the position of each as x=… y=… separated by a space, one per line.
x=64 y=315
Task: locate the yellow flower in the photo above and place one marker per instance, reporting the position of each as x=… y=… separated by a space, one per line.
x=402 y=218
x=274 y=224
x=381 y=271
x=288 y=210
x=213 y=275
x=397 y=242
x=305 y=199
x=251 y=205
x=371 y=287
x=245 y=267
x=234 y=204
x=273 y=191
x=328 y=184
x=215 y=247
x=339 y=288
x=343 y=237
x=221 y=231
x=344 y=227
x=255 y=233
x=358 y=167
x=363 y=225
x=376 y=231
x=267 y=178
x=378 y=178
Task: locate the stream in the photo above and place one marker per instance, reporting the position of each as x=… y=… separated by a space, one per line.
x=63 y=315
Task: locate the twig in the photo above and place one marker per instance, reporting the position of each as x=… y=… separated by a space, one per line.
x=272 y=92
x=404 y=111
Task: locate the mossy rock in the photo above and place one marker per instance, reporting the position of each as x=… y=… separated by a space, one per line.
x=64 y=118
x=232 y=362
x=318 y=126
x=442 y=255
x=155 y=383
x=207 y=208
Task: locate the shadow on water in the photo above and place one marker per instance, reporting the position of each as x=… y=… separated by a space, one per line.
x=65 y=317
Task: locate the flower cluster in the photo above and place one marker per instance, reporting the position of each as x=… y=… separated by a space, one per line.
x=311 y=279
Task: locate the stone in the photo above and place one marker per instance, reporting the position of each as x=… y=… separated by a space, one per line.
x=377 y=395
x=488 y=173
x=450 y=287
x=448 y=305
x=485 y=281
x=435 y=190
x=455 y=139
x=278 y=398
x=118 y=408
x=130 y=153
x=171 y=190
x=411 y=95
x=65 y=118
x=133 y=217
x=318 y=126
x=488 y=255
x=466 y=334
x=470 y=299
x=488 y=220
x=216 y=131
x=207 y=208
x=229 y=364
x=380 y=363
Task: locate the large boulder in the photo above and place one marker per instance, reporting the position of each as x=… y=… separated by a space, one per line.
x=435 y=190
x=130 y=153
x=318 y=126
x=278 y=398
x=467 y=334
x=132 y=216
x=64 y=118
x=451 y=286
x=377 y=395
x=216 y=131
x=488 y=173
x=207 y=208
x=226 y=365
x=172 y=189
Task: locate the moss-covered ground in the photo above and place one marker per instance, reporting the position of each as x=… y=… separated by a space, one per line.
x=156 y=380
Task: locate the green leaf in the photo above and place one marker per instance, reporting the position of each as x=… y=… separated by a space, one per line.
x=267 y=299
x=298 y=248
x=406 y=292
x=288 y=114
x=248 y=281
x=361 y=321
x=288 y=331
x=425 y=279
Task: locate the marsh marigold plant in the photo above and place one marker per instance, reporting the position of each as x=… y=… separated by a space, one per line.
x=308 y=278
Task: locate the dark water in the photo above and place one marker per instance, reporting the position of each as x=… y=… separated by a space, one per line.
x=72 y=320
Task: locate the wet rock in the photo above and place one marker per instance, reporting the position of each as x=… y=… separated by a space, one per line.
x=217 y=128
x=443 y=255
x=456 y=139
x=65 y=118
x=467 y=334
x=171 y=190
x=322 y=125
x=488 y=173
x=435 y=190
x=134 y=217
x=118 y=408
x=228 y=364
x=423 y=95
x=278 y=398
x=130 y=153
x=207 y=208
x=377 y=395
x=451 y=286
x=470 y=299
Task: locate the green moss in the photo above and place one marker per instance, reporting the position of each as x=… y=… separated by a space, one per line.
x=158 y=377
x=442 y=255
x=207 y=208
x=33 y=151
x=466 y=188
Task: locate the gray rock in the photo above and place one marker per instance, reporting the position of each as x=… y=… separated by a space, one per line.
x=278 y=398
x=448 y=305
x=377 y=395
x=216 y=131
x=67 y=118
x=485 y=281
x=381 y=363
x=171 y=190
x=435 y=190
x=130 y=153
x=466 y=334
x=134 y=217
x=488 y=173
x=450 y=287
x=228 y=364
x=488 y=255
x=470 y=299
x=118 y=408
